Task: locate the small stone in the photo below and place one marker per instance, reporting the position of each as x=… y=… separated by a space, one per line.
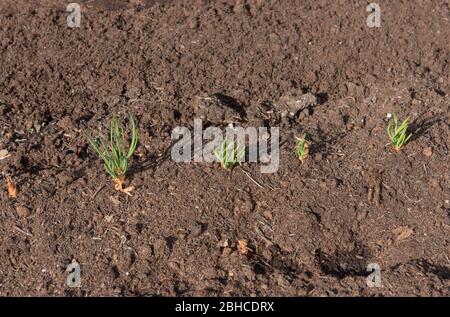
x=160 y=249
x=3 y=154
x=225 y=243
x=145 y=252
x=55 y=161
x=112 y=100
x=197 y=230
x=267 y=214
x=428 y=151
x=29 y=124
x=434 y=183
x=181 y=234
x=355 y=89
x=333 y=183
x=114 y=200
x=133 y=93
x=226 y=251
x=402 y=232
x=243 y=202
x=217 y=109
x=65 y=178
x=65 y=124
x=37 y=126
x=22 y=211
x=238 y=7
x=293 y=103
x=174 y=266
x=361 y=215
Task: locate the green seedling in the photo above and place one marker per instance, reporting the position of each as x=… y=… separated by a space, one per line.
x=302 y=148
x=229 y=154
x=114 y=153
x=398 y=133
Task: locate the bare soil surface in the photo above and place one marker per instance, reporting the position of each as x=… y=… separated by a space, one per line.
x=311 y=228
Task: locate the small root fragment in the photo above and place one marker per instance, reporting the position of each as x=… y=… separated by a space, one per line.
x=119 y=185
x=128 y=190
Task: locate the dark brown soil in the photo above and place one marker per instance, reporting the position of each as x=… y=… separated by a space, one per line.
x=312 y=229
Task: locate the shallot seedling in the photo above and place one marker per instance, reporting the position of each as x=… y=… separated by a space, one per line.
x=115 y=153
x=398 y=133
x=302 y=149
x=229 y=154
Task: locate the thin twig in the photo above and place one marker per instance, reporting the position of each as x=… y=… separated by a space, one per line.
x=97 y=191
x=262 y=235
x=23 y=231
x=137 y=100
x=252 y=179
x=411 y=200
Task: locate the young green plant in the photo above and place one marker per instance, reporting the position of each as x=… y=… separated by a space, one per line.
x=229 y=154
x=114 y=153
x=302 y=148
x=398 y=132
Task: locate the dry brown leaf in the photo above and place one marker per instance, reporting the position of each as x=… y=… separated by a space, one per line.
x=428 y=151
x=243 y=246
x=114 y=200
x=402 y=233
x=12 y=192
